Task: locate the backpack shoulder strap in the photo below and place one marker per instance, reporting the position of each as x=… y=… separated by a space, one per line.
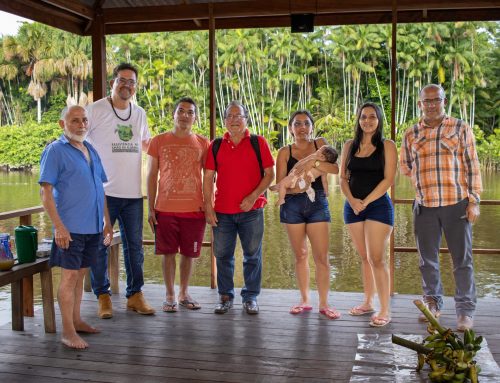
x=215 y=149
x=254 y=140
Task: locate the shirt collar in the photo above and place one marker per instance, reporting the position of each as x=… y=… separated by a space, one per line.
x=422 y=124
x=227 y=135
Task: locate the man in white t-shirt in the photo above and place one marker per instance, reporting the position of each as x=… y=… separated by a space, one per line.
x=118 y=130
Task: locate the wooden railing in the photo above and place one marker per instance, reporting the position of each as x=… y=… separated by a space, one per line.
x=24 y=216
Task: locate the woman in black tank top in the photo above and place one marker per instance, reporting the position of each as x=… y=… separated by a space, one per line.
x=367 y=171
x=305 y=219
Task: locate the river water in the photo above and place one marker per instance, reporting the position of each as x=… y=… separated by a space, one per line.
x=20 y=190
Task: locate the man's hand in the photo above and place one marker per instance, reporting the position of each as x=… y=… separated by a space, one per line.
x=357 y=205
x=248 y=202
x=152 y=220
x=472 y=212
x=107 y=234
x=210 y=215
x=62 y=237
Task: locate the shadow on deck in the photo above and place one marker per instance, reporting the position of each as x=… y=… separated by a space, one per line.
x=199 y=346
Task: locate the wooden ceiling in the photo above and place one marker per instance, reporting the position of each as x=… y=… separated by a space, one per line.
x=135 y=16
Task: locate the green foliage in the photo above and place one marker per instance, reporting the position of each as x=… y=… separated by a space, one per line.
x=23 y=145
x=331 y=72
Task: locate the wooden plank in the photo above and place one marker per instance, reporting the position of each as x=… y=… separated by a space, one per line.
x=73 y=7
x=49 y=315
x=20 y=212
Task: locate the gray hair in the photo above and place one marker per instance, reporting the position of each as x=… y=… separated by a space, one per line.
x=66 y=110
x=238 y=104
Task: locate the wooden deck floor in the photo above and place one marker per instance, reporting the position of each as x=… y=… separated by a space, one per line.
x=199 y=346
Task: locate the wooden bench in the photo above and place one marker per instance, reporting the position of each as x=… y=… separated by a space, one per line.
x=26 y=271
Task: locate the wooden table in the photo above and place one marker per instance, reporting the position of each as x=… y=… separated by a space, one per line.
x=17 y=278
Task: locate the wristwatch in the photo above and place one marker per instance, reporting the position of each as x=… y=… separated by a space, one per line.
x=316 y=164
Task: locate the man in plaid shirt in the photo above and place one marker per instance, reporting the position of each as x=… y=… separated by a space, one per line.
x=439 y=155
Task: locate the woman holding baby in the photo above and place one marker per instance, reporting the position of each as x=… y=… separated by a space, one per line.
x=303 y=218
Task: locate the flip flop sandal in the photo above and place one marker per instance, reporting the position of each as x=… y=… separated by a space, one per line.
x=330 y=313
x=379 y=321
x=297 y=309
x=190 y=304
x=169 y=307
x=359 y=310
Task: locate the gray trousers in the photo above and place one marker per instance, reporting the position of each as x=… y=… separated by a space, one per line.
x=429 y=224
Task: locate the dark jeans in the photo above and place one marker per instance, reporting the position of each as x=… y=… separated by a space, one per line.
x=250 y=228
x=129 y=212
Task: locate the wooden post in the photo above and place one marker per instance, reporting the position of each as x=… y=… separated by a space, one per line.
x=17 y=305
x=98 y=56
x=49 y=315
x=393 y=127
x=211 y=54
x=114 y=267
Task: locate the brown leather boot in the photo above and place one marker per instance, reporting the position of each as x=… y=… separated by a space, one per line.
x=137 y=303
x=105 y=310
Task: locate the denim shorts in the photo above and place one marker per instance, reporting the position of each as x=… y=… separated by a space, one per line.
x=380 y=210
x=81 y=253
x=299 y=209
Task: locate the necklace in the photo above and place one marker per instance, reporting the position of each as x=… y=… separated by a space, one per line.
x=116 y=114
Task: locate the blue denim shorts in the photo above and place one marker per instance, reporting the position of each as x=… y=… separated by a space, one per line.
x=380 y=210
x=81 y=253
x=299 y=209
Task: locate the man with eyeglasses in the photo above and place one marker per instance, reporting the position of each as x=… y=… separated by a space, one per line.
x=175 y=201
x=119 y=131
x=439 y=155
x=238 y=206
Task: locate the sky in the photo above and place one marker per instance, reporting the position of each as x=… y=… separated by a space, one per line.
x=9 y=23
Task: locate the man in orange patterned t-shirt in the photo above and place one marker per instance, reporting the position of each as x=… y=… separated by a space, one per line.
x=175 y=201
x=439 y=155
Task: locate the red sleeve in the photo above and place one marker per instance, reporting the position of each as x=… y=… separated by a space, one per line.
x=265 y=153
x=153 y=147
x=209 y=162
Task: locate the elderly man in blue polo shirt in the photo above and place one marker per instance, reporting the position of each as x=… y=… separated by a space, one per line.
x=71 y=180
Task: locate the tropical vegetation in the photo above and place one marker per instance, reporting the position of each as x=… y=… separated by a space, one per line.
x=331 y=72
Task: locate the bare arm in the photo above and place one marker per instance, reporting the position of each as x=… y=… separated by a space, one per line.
x=61 y=234
x=308 y=162
x=390 y=155
x=152 y=185
x=208 y=196
x=264 y=183
x=405 y=157
x=355 y=203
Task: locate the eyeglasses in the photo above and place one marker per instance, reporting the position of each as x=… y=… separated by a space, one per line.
x=124 y=81
x=298 y=124
x=235 y=117
x=190 y=113
x=433 y=101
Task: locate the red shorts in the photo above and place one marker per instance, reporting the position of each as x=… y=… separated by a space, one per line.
x=182 y=235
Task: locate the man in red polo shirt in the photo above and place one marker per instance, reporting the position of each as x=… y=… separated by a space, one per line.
x=238 y=208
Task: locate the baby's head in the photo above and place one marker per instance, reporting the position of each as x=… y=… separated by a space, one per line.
x=328 y=153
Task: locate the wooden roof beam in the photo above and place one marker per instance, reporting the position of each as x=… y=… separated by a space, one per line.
x=259 y=8
x=416 y=16
x=43 y=13
x=73 y=7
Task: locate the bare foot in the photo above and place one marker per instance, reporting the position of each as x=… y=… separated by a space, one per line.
x=86 y=328
x=74 y=341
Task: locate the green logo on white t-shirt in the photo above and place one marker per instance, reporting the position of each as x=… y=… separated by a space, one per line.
x=124 y=132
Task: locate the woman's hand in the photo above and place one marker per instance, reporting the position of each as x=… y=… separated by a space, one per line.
x=357 y=205
x=304 y=165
